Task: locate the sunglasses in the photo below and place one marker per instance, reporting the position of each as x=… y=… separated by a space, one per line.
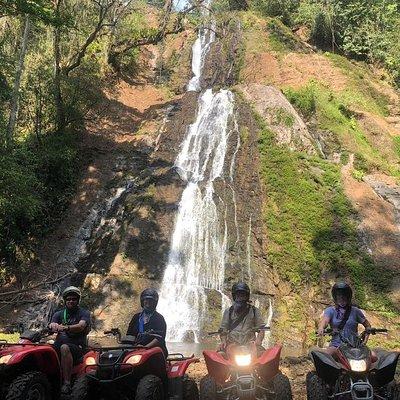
x=71 y=299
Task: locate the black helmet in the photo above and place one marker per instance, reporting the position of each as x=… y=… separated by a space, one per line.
x=240 y=287
x=71 y=290
x=344 y=289
x=149 y=293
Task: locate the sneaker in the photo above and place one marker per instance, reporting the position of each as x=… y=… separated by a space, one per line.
x=66 y=388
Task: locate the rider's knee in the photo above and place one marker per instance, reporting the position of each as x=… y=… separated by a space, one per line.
x=64 y=349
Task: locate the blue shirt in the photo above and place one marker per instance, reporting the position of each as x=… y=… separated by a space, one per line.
x=335 y=316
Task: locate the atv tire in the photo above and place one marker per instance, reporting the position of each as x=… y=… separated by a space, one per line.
x=29 y=386
x=82 y=390
x=282 y=388
x=316 y=388
x=150 y=387
x=208 y=388
x=190 y=389
x=394 y=391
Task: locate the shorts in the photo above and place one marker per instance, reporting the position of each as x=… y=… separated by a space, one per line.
x=76 y=351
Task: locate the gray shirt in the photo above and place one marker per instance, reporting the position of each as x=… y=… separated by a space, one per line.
x=253 y=319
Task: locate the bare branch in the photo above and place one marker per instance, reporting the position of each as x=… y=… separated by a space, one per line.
x=76 y=59
x=18 y=292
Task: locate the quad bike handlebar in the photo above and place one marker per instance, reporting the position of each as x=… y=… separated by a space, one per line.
x=252 y=330
x=117 y=333
x=357 y=340
x=367 y=331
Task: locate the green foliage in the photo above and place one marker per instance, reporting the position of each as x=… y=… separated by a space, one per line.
x=40 y=9
x=309 y=223
x=280 y=37
x=303 y=99
x=282 y=9
x=35 y=185
x=362 y=29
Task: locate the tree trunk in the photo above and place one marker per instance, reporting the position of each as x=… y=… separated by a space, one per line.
x=17 y=83
x=59 y=103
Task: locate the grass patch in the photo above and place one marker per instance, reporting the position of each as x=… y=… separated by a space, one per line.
x=396 y=141
x=303 y=99
x=244 y=134
x=281 y=38
x=310 y=226
x=333 y=114
x=360 y=92
x=283 y=117
x=10 y=338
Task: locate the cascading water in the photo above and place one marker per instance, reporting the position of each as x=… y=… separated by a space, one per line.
x=200 y=49
x=196 y=262
x=198 y=249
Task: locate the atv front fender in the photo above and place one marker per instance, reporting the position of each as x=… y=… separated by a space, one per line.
x=326 y=366
x=385 y=368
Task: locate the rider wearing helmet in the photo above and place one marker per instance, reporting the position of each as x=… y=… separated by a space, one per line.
x=241 y=317
x=72 y=324
x=149 y=320
x=342 y=316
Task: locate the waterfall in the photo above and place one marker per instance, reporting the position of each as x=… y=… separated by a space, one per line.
x=196 y=262
x=200 y=49
x=199 y=242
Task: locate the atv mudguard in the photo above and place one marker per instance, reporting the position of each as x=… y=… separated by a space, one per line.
x=384 y=370
x=218 y=366
x=268 y=364
x=27 y=357
x=326 y=366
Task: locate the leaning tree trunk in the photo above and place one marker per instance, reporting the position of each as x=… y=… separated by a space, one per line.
x=58 y=100
x=17 y=83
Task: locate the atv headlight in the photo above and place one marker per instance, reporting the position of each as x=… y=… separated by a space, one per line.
x=5 y=359
x=243 y=360
x=134 y=359
x=90 y=361
x=358 y=365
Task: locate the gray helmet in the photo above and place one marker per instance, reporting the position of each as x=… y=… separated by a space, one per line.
x=149 y=293
x=344 y=289
x=71 y=290
x=240 y=287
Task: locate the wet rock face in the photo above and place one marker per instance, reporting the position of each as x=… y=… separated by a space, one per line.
x=222 y=64
x=123 y=244
x=390 y=193
x=280 y=115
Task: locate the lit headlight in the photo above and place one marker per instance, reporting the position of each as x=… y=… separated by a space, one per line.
x=90 y=361
x=134 y=359
x=243 y=360
x=5 y=359
x=358 y=365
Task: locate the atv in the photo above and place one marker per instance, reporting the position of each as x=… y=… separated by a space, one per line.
x=238 y=372
x=30 y=369
x=131 y=371
x=353 y=373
